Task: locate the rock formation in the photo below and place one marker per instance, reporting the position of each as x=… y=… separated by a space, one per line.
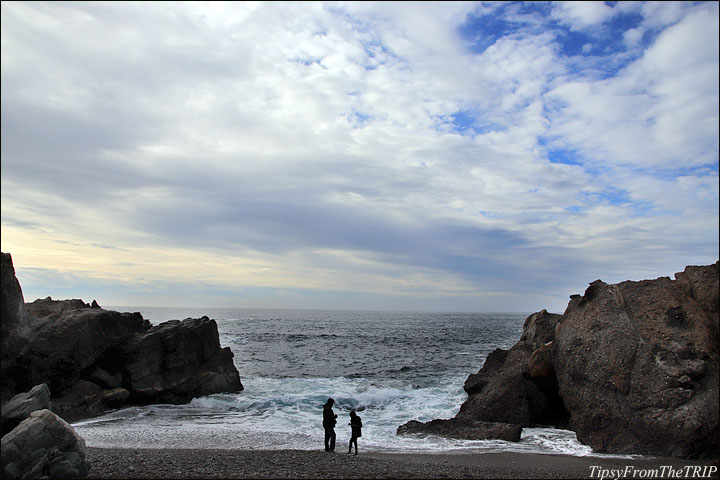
x=464 y=429
x=176 y=361
x=14 y=321
x=93 y=359
x=23 y=404
x=43 y=446
x=631 y=368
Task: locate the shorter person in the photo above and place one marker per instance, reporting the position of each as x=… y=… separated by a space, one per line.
x=356 y=429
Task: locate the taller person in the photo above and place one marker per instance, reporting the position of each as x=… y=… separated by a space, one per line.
x=329 y=421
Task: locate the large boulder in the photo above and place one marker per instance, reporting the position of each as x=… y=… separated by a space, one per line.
x=178 y=360
x=23 y=404
x=637 y=365
x=43 y=445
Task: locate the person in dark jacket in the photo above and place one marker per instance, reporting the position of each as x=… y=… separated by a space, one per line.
x=329 y=421
x=356 y=428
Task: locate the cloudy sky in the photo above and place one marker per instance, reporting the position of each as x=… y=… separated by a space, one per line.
x=404 y=156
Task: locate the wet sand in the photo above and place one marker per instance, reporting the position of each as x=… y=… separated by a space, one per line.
x=217 y=463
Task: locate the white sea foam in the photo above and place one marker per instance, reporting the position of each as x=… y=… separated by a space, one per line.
x=277 y=413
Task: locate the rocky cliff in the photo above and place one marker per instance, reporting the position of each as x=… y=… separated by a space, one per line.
x=93 y=359
x=631 y=368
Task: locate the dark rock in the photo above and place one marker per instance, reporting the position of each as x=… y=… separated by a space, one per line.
x=176 y=361
x=93 y=359
x=504 y=389
x=70 y=340
x=13 y=326
x=631 y=368
x=509 y=395
x=89 y=398
x=43 y=445
x=466 y=430
x=104 y=378
x=23 y=404
x=637 y=364
x=539 y=329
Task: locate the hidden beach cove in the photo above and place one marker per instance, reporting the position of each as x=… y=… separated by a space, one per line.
x=631 y=369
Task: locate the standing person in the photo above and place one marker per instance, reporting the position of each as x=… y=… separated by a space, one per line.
x=356 y=427
x=329 y=420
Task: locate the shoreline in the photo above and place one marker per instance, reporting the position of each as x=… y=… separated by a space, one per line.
x=133 y=463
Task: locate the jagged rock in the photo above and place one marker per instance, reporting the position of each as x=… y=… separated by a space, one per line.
x=503 y=392
x=93 y=359
x=70 y=339
x=13 y=303
x=631 y=368
x=637 y=365
x=466 y=430
x=539 y=329
x=13 y=328
x=508 y=394
x=176 y=361
x=43 y=445
x=23 y=404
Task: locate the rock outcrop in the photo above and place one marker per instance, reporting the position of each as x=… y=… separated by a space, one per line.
x=13 y=328
x=631 y=368
x=637 y=365
x=178 y=360
x=43 y=445
x=93 y=359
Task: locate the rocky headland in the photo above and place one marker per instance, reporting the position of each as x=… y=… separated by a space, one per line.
x=63 y=360
x=632 y=368
x=92 y=359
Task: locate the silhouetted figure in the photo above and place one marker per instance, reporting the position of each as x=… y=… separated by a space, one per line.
x=329 y=420
x=356 y=428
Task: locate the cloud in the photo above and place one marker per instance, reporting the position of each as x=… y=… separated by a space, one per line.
x=472 y=155
x=580 y=15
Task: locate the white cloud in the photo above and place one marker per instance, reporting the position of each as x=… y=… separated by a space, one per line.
x=580 y=15
x=312 y=145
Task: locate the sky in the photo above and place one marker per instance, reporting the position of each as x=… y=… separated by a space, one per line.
x=442 y=156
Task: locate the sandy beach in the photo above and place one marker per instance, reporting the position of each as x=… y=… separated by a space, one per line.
x=217 y=463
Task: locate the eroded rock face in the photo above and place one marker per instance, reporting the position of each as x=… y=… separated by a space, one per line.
x=70 y=338
x=93 y=359
x=631 y=368
x=637 y=365
x=178 y=360
x=43 y=445
x=503 y=394
x=13 y=328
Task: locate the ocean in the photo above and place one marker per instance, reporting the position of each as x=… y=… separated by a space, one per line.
x=391 y=367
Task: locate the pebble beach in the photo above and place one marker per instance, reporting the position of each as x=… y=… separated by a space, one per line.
x=261 y=464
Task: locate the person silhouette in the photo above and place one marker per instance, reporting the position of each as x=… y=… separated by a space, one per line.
x=329 y=421
x=356 y=429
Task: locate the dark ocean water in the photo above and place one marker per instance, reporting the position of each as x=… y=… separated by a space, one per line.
x=391 y=367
